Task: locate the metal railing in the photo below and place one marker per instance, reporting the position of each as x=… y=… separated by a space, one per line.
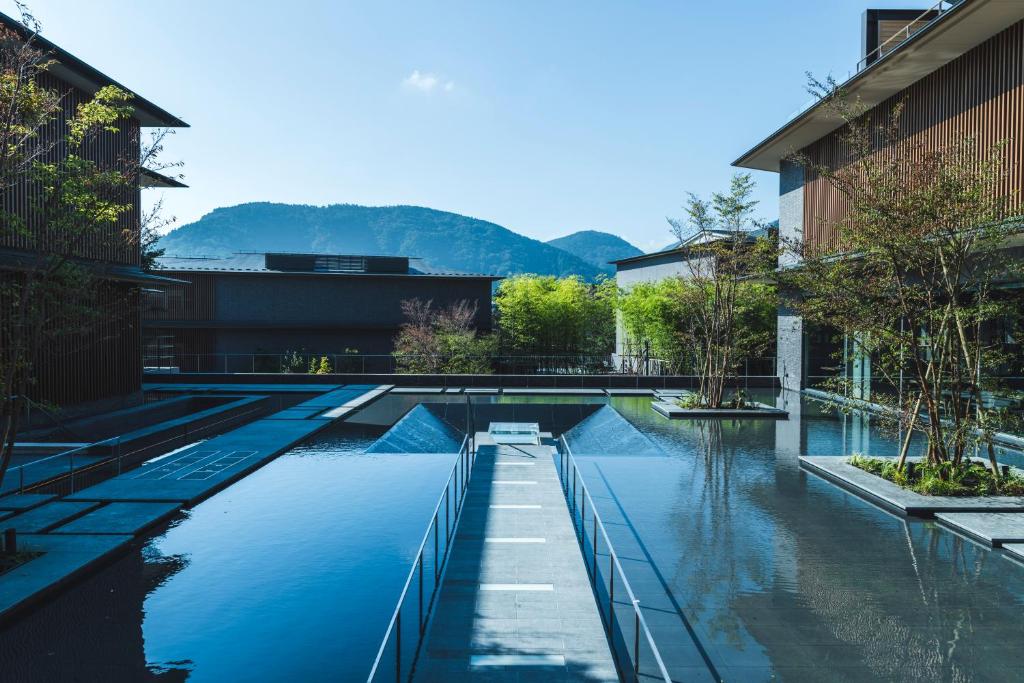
x=395 y=650
x=627 y=659
x=920 y=22
x=389 y=364
x=940 y=8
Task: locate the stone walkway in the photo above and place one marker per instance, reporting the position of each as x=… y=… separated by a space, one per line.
x=515 y=603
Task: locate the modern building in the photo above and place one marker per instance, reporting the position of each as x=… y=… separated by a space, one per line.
x=244 y=311
x=957 y=69
x=101 y=366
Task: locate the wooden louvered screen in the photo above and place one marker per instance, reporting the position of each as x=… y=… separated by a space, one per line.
x=980 y=94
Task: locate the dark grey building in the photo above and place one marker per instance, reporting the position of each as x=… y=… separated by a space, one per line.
x=273 y=303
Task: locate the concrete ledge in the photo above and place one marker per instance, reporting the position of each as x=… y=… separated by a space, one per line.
x=674 y=412
x=165 y=382
x=120 y=518
x=40 y=519
x=993 y=528
x=1015 y=550
x=24 y=501
x=63 y=559
x=893 y=497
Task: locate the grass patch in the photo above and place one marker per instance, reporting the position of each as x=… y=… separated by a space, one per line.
x=971 y=478
x=9 y=562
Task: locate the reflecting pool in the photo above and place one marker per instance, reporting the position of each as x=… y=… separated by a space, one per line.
x=290 y=574
x=784 y=576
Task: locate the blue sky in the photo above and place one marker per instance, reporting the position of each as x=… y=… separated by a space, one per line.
x=543 y=116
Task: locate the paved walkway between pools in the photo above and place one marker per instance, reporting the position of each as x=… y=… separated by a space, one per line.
x=79 y=530
x=516 y=602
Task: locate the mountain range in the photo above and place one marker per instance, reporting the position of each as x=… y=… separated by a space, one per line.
x=443 y=240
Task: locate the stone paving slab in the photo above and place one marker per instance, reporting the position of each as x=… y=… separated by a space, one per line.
x=417 y=390
x=38 y=520
x=295 y=413
x=206 y=468
x=64 y=558
x=568 y=391
x=516 y=611
x=24 y=501
x=241 y=388
x=993 y=528
x=338 y=397
x=613 y=391
x=198 y=472
x=889 y=495
x=356 y=403
x=120 y=518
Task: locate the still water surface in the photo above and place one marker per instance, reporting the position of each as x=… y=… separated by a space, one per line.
x=292 y=573
x=289 y=574
x=784 y=576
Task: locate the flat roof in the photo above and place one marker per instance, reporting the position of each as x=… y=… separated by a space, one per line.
x=953 y=33
x=73 y=70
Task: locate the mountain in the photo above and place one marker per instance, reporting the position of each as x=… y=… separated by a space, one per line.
x=443 y=240
x=596 y=248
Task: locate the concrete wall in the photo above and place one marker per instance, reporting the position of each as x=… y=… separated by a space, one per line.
x=789 y=364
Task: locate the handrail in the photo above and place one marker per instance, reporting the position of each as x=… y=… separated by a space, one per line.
x=460 y=475
x=565 y=458
x=904 y=33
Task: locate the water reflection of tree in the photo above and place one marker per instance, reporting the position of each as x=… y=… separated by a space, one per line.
x=905 y=600
x=718 y=556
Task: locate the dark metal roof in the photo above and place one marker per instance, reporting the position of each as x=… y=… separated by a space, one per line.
x=76 y=72
x=256 y=262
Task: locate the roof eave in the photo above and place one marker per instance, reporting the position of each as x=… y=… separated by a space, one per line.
x=955 y=32
x=73 y=70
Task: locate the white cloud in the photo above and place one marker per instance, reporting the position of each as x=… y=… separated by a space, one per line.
x=427 y=82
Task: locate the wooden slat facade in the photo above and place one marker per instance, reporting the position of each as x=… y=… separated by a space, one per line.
x=194 y=301
x=980 y=95
x=104 y=361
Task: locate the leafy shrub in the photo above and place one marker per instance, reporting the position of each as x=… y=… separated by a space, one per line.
x=971 y=478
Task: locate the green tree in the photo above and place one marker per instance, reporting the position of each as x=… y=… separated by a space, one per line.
x=545 y=315
x=71 y=201
x=920 y=277
x=664 y=314
x=716 y=296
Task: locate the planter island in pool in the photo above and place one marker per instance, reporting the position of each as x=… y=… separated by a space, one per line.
x=675 y=412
